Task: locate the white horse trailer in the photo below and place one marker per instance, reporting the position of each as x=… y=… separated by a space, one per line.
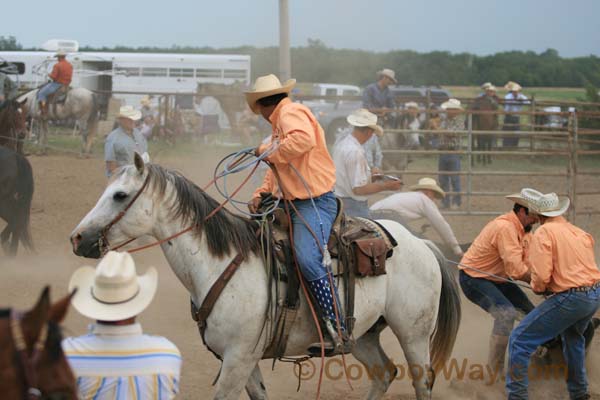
x=149 y=73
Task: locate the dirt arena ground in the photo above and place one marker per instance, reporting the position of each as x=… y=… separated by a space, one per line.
x=68 y=187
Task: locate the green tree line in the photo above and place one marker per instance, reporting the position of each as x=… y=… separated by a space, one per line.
x=317 y=62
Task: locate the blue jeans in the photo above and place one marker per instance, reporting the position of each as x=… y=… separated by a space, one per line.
x=355 y=208
x=308 y=253
x=566 y=314
x=450 y=162
x=47 y=90
x=511 y=123
x=502 y=300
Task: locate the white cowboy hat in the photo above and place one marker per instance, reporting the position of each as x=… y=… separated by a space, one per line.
x=451 y=104
x=411 y=104
x=129 y=112
x=428 y=183
x=266 y=86
x=145 y=101
x=548 y=204
x=113 y=291
x=512 y=86
x=389 y=73
x=60 y=53
x=492 y=88
x=486 y=85
x=363 y=117
x=523 y=197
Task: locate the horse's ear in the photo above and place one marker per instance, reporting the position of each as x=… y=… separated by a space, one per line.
x=58 y=310
x=34 y=319
x=138 y=161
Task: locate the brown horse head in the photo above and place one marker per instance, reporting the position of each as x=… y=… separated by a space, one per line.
x=13 y=124
x=32 y=363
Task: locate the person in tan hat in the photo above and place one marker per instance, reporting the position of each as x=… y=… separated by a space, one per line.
x=61 y=75
x=353 y=182
x=122 y=143
x=115 y=359
x=563 y=266
x=377 y=96
x=454 y=121
x=513 y=102
x=306 y=178
x=496 y=255
x=419 y=203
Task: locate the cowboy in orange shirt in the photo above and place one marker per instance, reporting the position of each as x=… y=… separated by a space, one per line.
x=61 y=75
x=306 y=176
x=563 y=265
x=497 y=254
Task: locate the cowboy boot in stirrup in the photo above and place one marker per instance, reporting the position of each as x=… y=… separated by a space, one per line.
x=333 y=343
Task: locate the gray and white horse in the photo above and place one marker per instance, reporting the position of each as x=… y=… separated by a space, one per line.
x=417 y=298
x=80 y=105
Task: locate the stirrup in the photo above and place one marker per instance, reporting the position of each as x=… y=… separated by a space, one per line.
x=333 y=346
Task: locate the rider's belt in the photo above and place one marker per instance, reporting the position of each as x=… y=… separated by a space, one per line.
x=585 y=288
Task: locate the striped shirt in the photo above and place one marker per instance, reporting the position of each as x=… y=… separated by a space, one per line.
x=120 y=362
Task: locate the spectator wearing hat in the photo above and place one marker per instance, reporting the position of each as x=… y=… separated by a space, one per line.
x=488 y=101
x=353 y=182
x=453 y=122
x=513 y=102
x=496 y=255
x=416 y=204
x=562 y=266
x=306 y=172
x=116 y=360
x=412 y=122
x=61 y=75
x=122 y=143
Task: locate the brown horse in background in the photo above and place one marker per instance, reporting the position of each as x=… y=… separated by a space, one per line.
x=32 y=362
x=13 y=124
x=485 y=122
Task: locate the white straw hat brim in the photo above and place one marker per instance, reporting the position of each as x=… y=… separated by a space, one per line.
x=357 y=121
x=253 y=96
x=87 y=305
x=435 y=188
x=563 y=206
x=135 y=115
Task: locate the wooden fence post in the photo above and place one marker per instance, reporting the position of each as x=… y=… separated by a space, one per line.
x=469 y=159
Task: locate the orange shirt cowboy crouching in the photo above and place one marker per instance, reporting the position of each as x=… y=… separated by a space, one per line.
x=499 y=250
x=302 y=147
x=62 y=72
x=562 y=257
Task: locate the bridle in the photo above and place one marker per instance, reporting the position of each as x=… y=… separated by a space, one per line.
x=27 y=361
x=103 y=240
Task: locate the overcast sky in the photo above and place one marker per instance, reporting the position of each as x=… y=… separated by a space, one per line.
x=476 y=26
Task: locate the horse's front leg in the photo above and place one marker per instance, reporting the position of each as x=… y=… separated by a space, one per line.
x=236 y=373
x=256 y=387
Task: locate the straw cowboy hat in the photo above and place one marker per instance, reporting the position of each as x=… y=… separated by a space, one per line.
x=113 y=291
x=428 y=183
x=363 y=117
x=491 y=87
x=145 y=101
x=266 y=86
x=60 y=53
x=486 y=85
x=451 y=104
x=548 y=205
x=411 y=104
x=389 y=73
x=129 y=112
x=512 y=86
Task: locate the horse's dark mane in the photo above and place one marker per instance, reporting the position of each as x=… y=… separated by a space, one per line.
x=4 y=312
x=223 y=230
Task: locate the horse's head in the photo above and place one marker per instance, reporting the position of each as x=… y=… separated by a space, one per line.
x=13 y=116
x=32 y=359
x=124 y=211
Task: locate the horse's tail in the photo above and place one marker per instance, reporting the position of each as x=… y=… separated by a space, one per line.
x=93 y=117
x=24 y=196
x=449 y=314
x=91 y=125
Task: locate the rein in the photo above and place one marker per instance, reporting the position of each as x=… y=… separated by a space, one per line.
x=28 y=362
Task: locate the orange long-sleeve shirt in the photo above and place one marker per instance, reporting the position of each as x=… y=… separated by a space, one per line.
x=62 y=72
x=562 y=257
x=498 y=250
x=301 y=145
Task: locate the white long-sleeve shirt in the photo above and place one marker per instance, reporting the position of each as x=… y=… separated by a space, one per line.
x=416 y=205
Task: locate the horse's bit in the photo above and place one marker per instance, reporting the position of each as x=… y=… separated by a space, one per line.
x=103 y=240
